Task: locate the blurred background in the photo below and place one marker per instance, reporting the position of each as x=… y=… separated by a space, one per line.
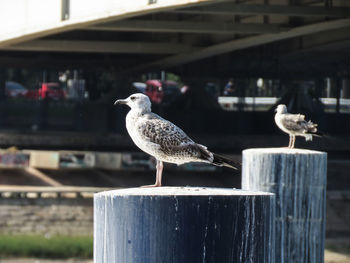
x=217 y=69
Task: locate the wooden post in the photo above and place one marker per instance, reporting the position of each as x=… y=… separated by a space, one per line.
x=183 y=224
x=298 y=178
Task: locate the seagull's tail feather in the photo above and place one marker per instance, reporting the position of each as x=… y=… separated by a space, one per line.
x=311 y=127
x=311 y=130
x=220 y=160
x=216 y=159
x=204 y=153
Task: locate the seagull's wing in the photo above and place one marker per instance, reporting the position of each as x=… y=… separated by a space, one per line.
x=293 y=122
x=163 y=132
x=297 y=123
x=294 y=117
x=170 y=138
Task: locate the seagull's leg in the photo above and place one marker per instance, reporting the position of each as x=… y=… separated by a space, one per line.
x=295 y=137
x=290 y=141
x=159 y=173
x=293 y=141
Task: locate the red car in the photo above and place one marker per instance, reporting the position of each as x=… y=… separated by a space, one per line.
x=162 y=91
x=51 y=90
x=154 y=91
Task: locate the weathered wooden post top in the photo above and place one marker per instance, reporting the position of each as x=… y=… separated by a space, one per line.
x=298 y=178
x=184 y=225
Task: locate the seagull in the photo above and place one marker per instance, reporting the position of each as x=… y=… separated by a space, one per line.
x=294 y=125
x=163 y=139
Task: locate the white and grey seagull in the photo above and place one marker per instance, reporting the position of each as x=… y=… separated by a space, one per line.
x=163 y=139
x=294 y=125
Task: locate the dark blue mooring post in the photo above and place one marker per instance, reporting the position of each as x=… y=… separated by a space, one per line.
x=183 y=225
x=298 y=178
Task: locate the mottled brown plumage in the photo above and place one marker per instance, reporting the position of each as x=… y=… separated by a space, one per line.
x=171 y=139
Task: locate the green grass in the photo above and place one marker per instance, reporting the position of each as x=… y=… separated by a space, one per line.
x=42 y=247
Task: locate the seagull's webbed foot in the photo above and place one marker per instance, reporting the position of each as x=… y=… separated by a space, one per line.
x=151 y=185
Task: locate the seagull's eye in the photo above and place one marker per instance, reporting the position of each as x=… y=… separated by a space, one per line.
x=133 y=98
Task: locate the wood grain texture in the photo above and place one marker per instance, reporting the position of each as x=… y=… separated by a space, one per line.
x=183 y=224
x=298 y=178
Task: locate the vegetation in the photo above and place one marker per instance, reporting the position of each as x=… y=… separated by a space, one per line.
x=43 y=247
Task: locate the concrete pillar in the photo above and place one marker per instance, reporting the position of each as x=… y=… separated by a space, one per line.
x=183 y=225
x=298 y=178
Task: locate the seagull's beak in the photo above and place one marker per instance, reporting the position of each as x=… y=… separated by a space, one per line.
x=118 y=102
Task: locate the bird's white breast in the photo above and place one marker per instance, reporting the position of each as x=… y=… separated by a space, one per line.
x=133 y=121
x=278 y=121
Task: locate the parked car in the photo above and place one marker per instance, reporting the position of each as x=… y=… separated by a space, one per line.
x=51 y=90
x=154 y=91
x=32 y=94
x=15 y=90
x=162 y=91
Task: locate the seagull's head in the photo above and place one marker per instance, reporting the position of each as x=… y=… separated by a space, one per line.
x=281 y=109
x=136 y=101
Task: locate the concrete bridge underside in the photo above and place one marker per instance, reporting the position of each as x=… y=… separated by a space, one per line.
x=190 y=37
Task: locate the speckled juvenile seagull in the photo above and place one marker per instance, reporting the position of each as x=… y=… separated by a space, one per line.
x=294 y=125
x=162 y=139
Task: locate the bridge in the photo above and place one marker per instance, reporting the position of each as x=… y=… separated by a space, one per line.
x=191 y=37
